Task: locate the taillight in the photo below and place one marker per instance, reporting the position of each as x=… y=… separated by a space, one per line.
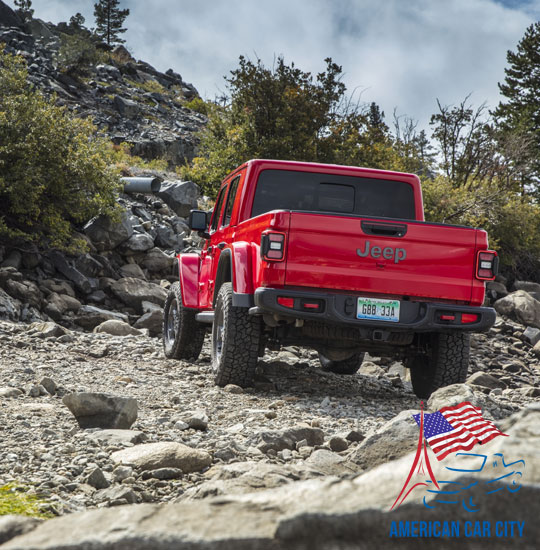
x=273 y=246
x=285 y=302
x=487 y=264
x=468 y=318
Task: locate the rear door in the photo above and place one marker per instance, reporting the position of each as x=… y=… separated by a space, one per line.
x=207 y=278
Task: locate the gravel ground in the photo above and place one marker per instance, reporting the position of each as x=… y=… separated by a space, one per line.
x=43 y=447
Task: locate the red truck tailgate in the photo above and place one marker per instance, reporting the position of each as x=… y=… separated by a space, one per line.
x=368 y=255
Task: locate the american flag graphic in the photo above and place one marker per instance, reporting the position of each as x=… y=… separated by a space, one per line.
x=457 y=428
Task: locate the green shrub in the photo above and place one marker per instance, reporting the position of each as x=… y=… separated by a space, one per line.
x=16 y=500
x=511 y=220
x=77 y=53
x=123 y=160
x=199 y=105
x=55 y=169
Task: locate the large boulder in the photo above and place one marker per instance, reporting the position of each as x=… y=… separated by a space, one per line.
x=117 y=328
x=89 y=317
x=126 y=107
x=133 y=292
x=520 y=306
x=153 y=321
x=132 y=270
x=69 y=272
x=527 y=286
x=99 y=410
x=40 y=30
x=13 y=526
x=327 y=513
x=179 y=196
x=394 y=439
x=138 y=242
x=155 y=260
x=10 y=308
x=106 y=234
x=25 y=291
x=288 y=438
x=151 y=456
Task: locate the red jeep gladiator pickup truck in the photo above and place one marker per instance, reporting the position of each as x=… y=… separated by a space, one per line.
x=336 y=258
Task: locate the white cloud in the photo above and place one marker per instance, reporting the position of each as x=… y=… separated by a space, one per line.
x=401 y=54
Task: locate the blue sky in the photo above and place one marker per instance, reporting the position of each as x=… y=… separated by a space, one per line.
x=402 y=54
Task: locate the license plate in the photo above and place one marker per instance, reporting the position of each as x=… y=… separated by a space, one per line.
x=378 y=310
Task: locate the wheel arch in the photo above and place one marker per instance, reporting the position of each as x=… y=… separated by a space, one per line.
x=235 y=266
x=224 y=273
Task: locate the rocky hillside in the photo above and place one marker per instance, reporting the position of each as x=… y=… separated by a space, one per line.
x=128 y=99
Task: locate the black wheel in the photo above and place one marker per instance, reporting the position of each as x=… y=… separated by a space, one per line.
x=235 y=341
x=345 y=366
x=183 y=336
x=446 y=362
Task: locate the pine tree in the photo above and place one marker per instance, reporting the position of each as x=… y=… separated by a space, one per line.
x=109 y=21
x=76 y=21
x=519 y=113
x=24 y=9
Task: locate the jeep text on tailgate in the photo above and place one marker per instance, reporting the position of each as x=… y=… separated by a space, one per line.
x=336 y=258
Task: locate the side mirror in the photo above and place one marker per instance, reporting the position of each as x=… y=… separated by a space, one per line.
x=197 y=220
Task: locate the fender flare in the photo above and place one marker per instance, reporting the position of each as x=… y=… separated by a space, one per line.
x=235 y=266
x=188 y=272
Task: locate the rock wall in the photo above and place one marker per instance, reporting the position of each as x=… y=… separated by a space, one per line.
x=123 y=277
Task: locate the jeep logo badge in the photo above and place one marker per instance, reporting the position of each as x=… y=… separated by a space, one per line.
x=388 y=253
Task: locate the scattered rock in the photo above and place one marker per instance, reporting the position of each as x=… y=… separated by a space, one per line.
x=233 y=388
x=89 y=317
x=287 y=439
x=181 y=197
x=531 y=335
x=116 y=437
x=521 y=306
x=394 y=439
x=97 y=410
x=10 y=392
x=338 y=444
x=153 y=456
x=196 y=420
x=97 y=479
x=153 y=321
x=486 y=380
x=163 y=473
x=49 y=329
x=116 y=496
x=106 y=234
x=49 y=384
x=133 y=292
x=117 y=328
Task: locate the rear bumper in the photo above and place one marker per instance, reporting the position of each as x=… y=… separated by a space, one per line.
x=341 y=309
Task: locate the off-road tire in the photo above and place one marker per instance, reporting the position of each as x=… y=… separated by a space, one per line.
x=183 y=336
x=446 y=362
x=346 y=366
x=235 y=341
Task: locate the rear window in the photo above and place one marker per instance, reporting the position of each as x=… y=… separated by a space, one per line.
x=314 y=192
